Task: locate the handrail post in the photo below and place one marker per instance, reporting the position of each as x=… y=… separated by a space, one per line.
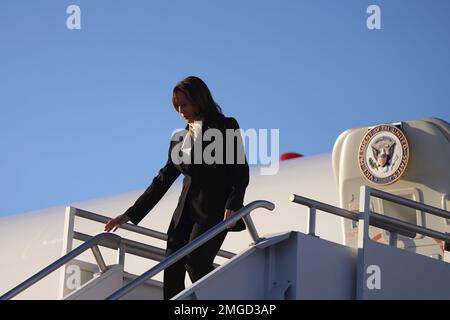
x=312 y=221
x=252 y=229
x=67 y=243
x=364 y=215
x=363 y=235
x=99 y=258
x=393 y=238
x=121 y=254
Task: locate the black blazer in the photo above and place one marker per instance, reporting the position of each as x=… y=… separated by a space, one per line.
x=208 y=189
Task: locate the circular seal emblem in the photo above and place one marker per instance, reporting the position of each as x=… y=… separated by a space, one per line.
x=383 y=154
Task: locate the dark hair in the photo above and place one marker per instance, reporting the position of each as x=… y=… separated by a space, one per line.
x=199 y=95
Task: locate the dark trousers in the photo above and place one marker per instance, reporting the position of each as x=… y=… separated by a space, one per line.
x=198 y=263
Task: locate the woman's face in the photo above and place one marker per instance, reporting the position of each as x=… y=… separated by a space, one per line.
x=185 y=108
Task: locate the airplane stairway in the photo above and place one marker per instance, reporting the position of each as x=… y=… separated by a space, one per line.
x=301 y=266
x=289 y=265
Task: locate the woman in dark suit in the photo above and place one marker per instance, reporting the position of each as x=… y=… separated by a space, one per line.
x=212 y=190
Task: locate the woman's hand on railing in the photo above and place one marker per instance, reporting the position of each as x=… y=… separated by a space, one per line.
x=228 y=213
x=116 y=222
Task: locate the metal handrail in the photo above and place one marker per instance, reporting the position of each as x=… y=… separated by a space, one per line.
x=106 y=238
x=366 y=192
x=136 y=229
x=126 y=226
x=375 y=219
x=191 y=246
x=132 y=247
x=323 y=207
x=408 y=203
x=400 y=226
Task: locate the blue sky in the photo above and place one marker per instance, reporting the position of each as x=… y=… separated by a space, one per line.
x=87 y=113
